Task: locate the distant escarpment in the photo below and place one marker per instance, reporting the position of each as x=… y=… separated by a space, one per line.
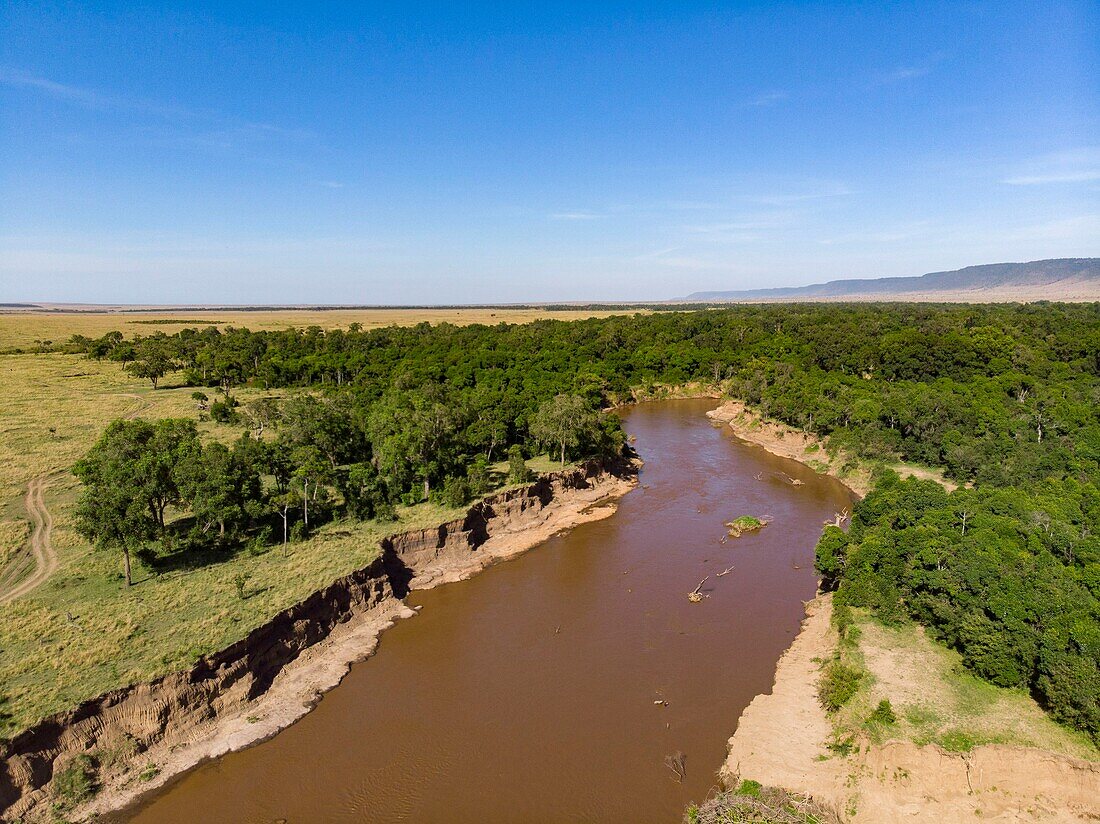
x=253 y=688
x=1061 y=279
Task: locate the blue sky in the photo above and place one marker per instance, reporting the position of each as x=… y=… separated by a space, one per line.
x=376 y=153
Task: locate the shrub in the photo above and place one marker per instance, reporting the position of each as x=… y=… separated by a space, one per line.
x=883 y=714
x=749 y=787
x=150 y=772
x=518 y=473
x=455 y=493
x=385 y=511
x=838 y=684
x=225 y=411
x=240 y=581
x=75 y=782
x=479 y=477
x=259 y=543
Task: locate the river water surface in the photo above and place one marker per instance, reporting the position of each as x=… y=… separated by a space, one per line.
x=526 y=694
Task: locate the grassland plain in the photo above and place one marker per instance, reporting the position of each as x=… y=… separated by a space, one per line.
x=82 y=631
x=25 y=330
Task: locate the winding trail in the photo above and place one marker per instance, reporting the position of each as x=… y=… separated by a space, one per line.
x=39 y=557
x=40 y=550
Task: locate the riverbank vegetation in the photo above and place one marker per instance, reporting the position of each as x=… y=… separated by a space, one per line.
x=347 y=423
x=743 y=524
x=84 y=631
x=1009 y=577
x=893 y=681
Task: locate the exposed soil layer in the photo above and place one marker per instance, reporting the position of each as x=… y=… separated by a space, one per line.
x=261 y=684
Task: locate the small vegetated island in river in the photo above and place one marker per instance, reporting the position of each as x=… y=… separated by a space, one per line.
x=744 y=524
x=340 y=436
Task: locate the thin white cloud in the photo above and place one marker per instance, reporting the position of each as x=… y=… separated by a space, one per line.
x=904 y=73
x=331 y=184
x=90 y=98
x=658 y=254
x=228 y=128
x=1071 y=166
x=576 y=216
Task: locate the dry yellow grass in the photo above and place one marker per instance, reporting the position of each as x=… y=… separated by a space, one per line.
x=28 y=329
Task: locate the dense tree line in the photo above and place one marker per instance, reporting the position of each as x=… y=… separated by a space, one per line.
x=1009 y=577
x=330 y=456
x=1004 y=397
x=963 y=387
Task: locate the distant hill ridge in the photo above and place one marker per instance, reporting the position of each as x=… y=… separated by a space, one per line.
x=1057 y=279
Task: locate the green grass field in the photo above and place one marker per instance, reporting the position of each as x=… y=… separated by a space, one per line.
x=83 y=631
x=935 y=700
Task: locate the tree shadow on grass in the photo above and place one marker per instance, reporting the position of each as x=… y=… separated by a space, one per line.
x=184 y=551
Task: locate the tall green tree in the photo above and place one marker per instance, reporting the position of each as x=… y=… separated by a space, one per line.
x=415 y=434
x=222 y=487
x=129 y=481
x=153 y=359
x=564 y=423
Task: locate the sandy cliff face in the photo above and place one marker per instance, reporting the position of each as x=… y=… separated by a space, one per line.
x=257 y=686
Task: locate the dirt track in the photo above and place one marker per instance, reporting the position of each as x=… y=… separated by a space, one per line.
x=40 y=550
x=39 y=558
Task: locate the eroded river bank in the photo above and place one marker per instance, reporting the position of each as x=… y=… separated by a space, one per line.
x=558 y=686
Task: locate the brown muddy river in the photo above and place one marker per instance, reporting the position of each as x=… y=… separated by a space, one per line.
x=526 y=694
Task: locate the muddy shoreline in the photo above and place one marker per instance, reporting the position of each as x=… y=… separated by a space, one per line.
x=788 y=442
x=144 y=735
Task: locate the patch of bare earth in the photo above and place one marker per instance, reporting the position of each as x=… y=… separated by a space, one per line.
x=783 y=739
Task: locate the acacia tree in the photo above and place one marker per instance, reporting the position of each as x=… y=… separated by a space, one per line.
x=564 y=423
x=152 y=361
x=262 y=412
